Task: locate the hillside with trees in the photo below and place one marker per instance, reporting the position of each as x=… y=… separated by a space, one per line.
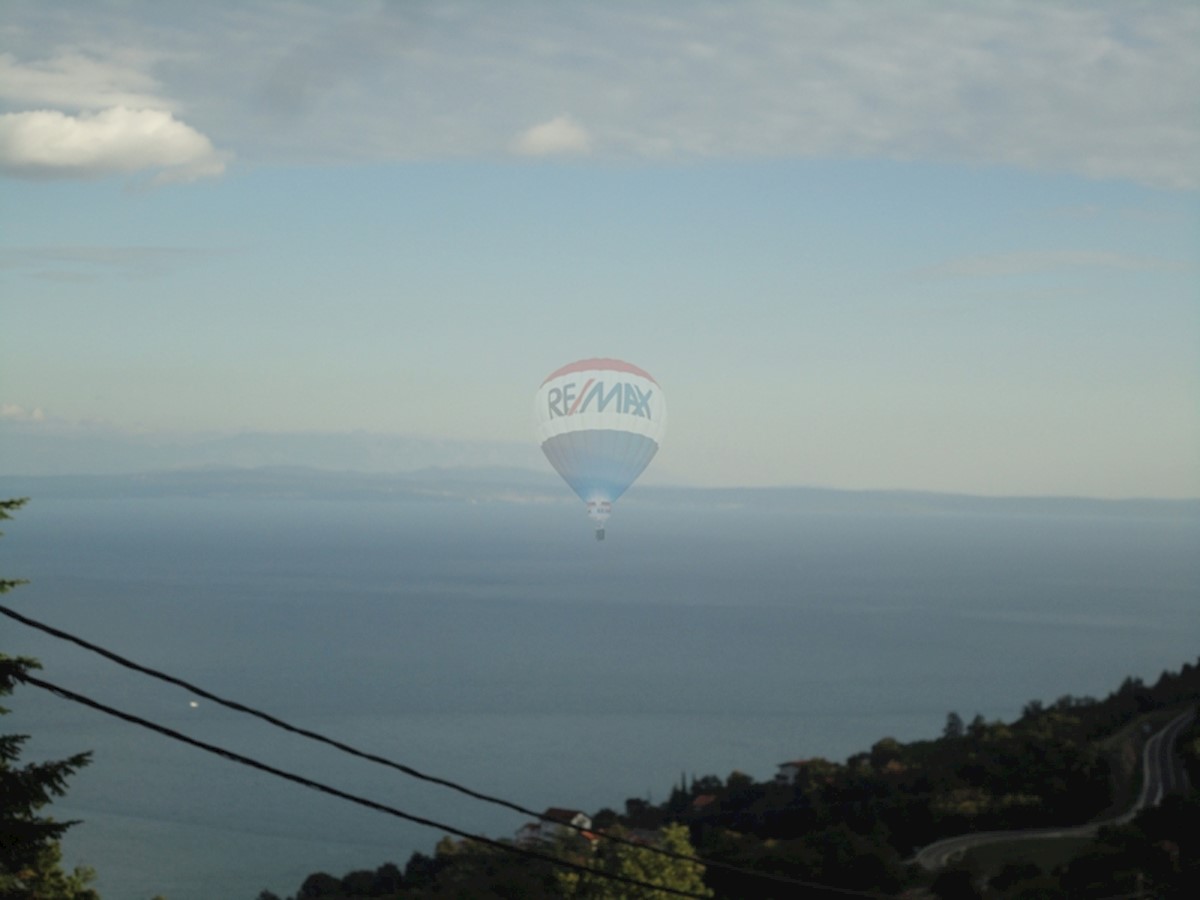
x=855 y=825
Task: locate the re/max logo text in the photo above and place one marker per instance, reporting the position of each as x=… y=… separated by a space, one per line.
x=622 y=397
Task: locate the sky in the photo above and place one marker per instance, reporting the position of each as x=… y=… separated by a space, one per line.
x=931 y=246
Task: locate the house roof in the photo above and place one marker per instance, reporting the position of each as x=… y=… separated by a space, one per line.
x=558 y=814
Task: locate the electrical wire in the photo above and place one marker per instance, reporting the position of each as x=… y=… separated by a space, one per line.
x=266 y=717
x=414 y=773
x=340 y=794
x=384 y=808
x=513 y=849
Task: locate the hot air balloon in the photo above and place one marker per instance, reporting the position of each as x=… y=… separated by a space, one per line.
x=600 y=422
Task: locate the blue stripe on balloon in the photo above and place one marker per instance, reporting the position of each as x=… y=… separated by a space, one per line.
x=599 y=464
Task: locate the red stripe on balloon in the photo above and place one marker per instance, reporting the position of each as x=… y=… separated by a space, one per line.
x=579 y=399
x=600 y=363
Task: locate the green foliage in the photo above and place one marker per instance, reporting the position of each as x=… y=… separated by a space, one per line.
x=956 y=884
x=885 y=751
x=6 y=508
x=30 y=858
x=461 y=869
x=472 y=871
x=1189 y=749
x=320 y=884
x=853 y=825
x=641 y=864
x=1155 y=855
x=954 y=726
x=44 y=879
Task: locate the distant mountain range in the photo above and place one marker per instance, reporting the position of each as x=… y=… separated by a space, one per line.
x=522 y=485
x=48 y=448
x=106 y=462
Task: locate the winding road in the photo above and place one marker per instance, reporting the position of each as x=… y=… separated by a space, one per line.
x=1162 y=774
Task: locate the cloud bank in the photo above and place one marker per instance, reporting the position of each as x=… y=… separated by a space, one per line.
x=14 y=412
x=1106 y=90
x=78 y=81
x=111 y=119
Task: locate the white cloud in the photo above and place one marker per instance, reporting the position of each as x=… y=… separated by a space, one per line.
x=13 y=412
x=560 y=135
x=49 y=143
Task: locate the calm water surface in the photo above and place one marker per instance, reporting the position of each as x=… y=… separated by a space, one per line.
x=500 y=646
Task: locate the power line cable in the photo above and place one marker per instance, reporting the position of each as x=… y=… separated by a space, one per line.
x=414 y=773
x=513 y=849
x=340 y=794
x=267 y=717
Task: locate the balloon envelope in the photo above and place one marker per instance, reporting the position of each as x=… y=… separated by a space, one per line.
x=600 y=422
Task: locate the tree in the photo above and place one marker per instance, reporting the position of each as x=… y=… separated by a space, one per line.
x=320 y=884
x=884 y=751
x=642 y=864
x=954 y=726
x=30 y=857
x=956 y=884
x=6 y=507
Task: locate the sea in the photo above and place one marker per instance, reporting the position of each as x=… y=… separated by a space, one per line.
x=499 y=646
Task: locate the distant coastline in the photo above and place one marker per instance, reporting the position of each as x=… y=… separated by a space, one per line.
x=501 y=484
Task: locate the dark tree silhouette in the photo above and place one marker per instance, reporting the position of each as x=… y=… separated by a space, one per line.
x=29 y=852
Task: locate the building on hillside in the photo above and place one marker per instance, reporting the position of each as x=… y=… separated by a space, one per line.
x=789 y=772
x=555 y=822
x=806 y=772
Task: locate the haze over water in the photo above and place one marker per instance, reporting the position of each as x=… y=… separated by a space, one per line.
x=499 y=645
x=849 y=243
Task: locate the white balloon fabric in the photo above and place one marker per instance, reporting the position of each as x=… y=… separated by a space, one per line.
x=600 y=422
